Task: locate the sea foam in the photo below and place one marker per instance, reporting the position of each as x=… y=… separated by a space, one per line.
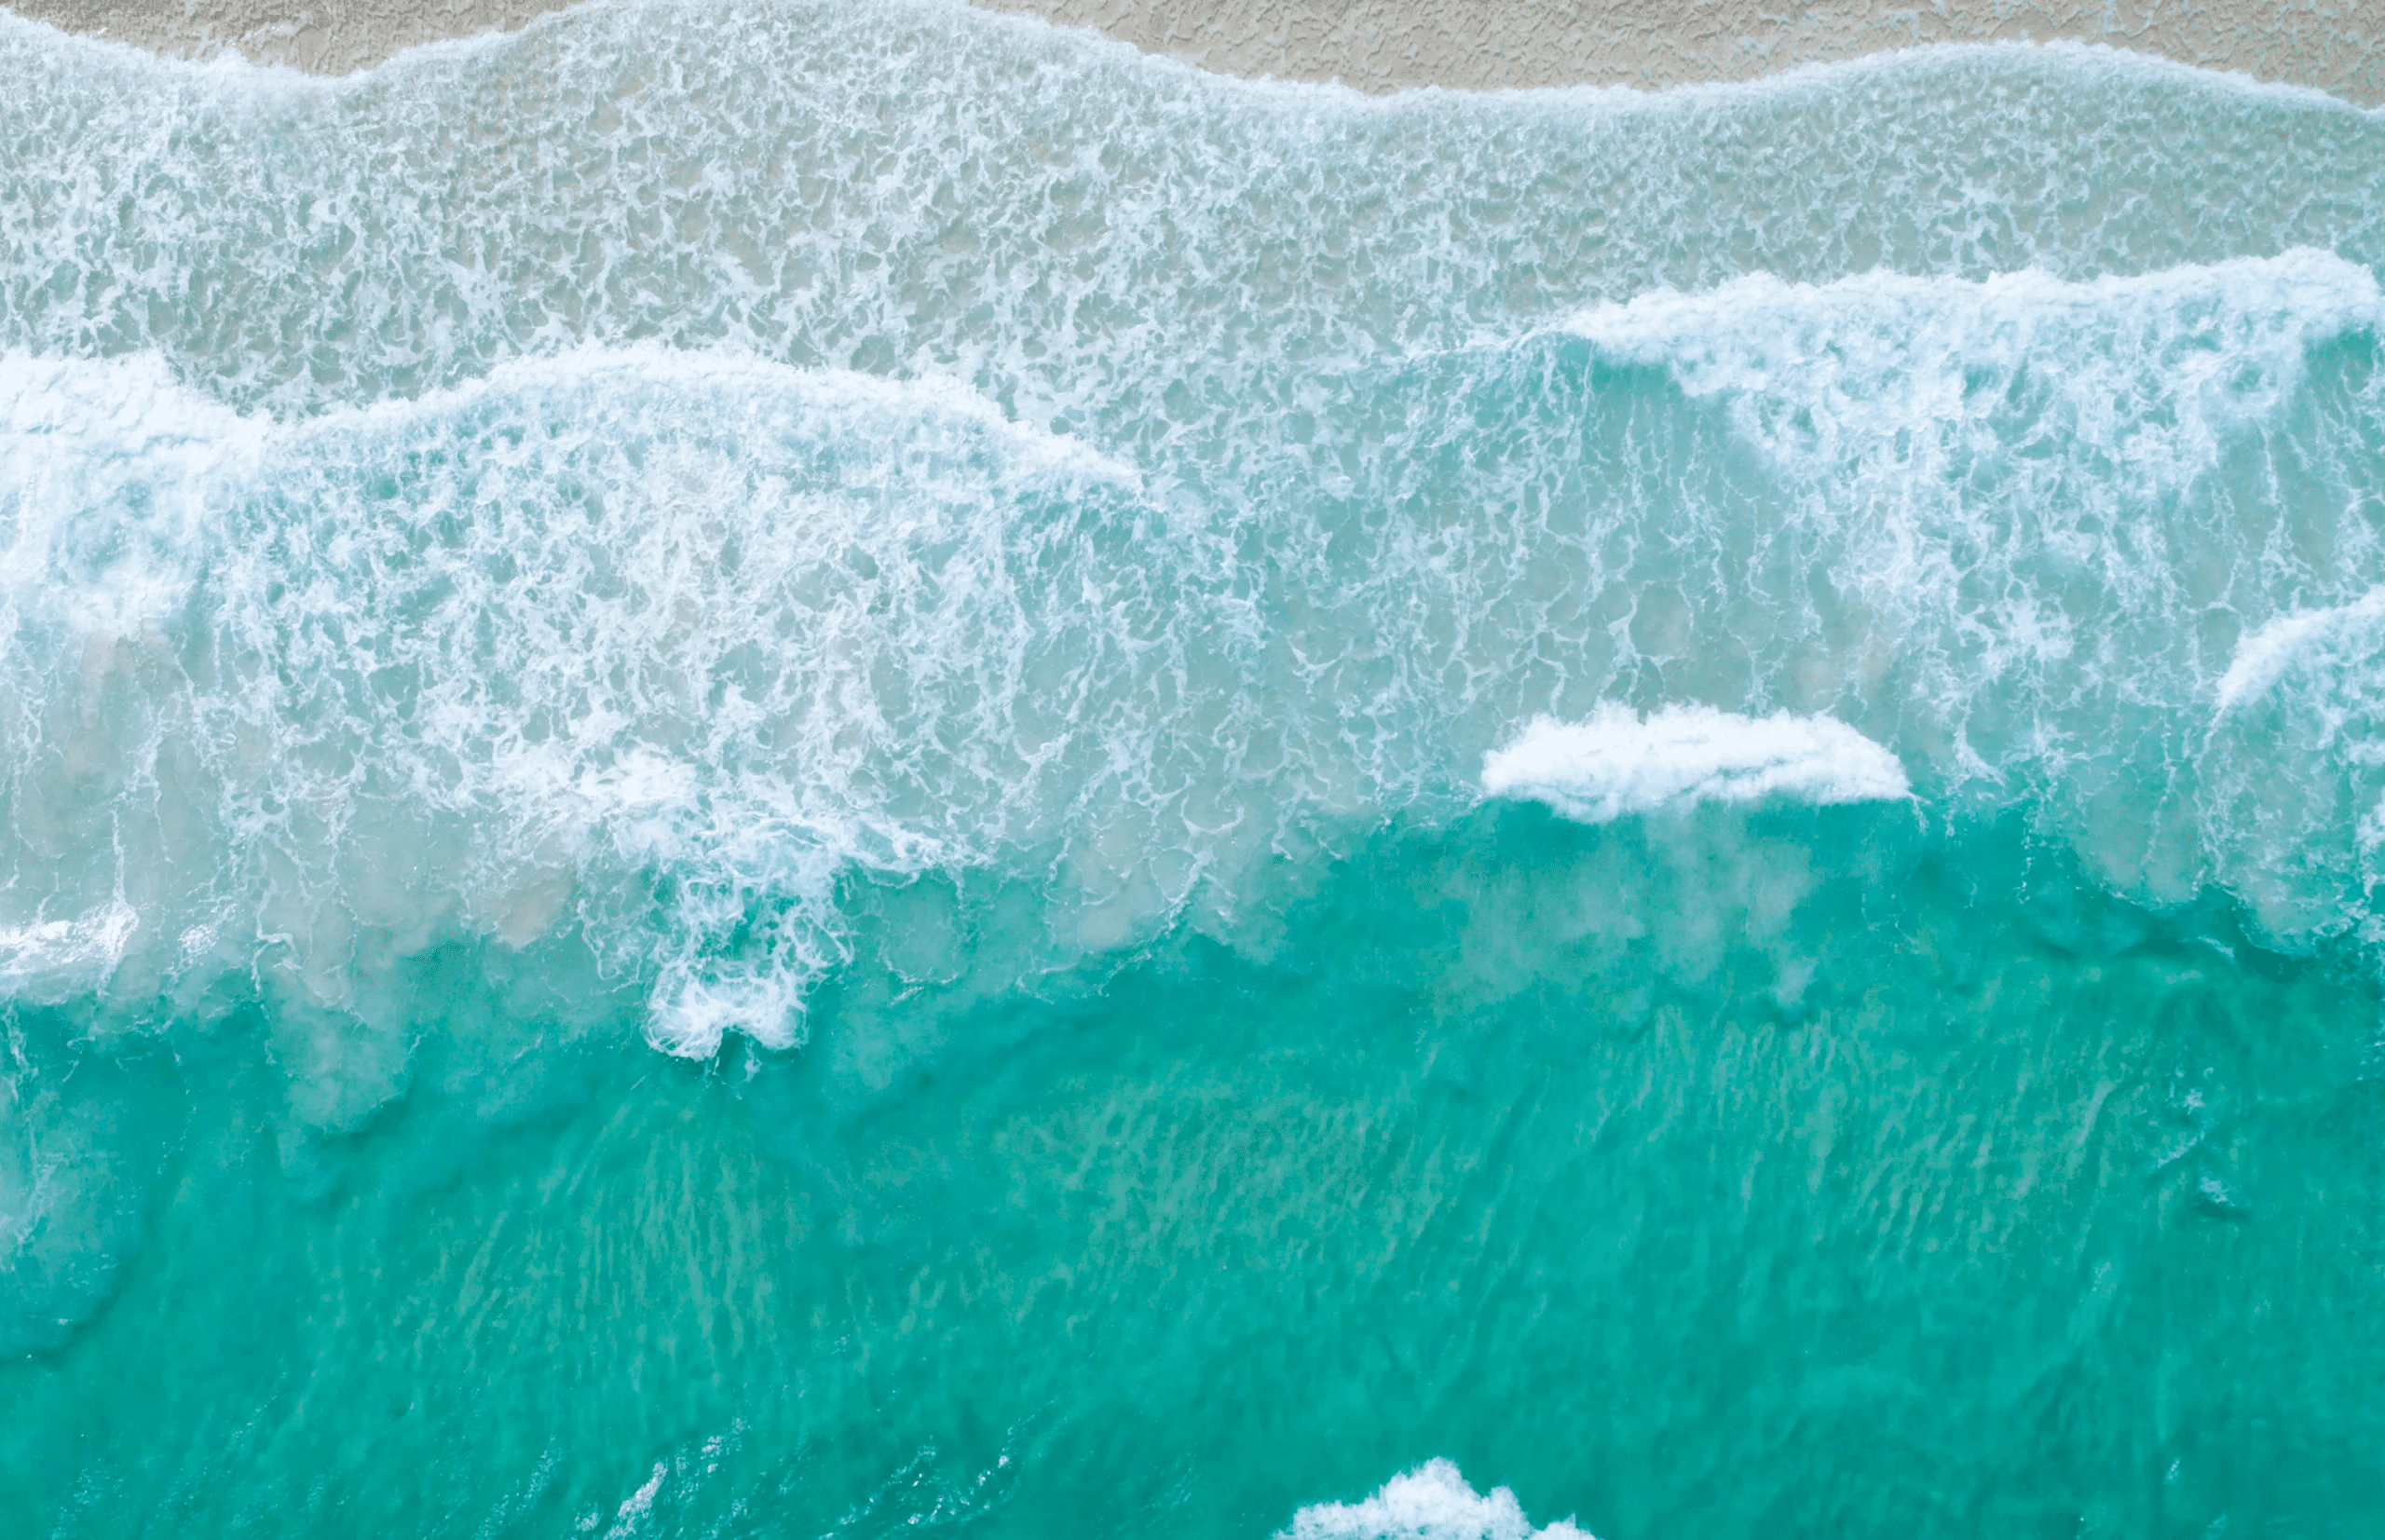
x=1619 y=762
x=2265 y=656
x=615 y=611
x=52 y=960
x=1433 y=1502
x=655 y=648
x=1823 y=376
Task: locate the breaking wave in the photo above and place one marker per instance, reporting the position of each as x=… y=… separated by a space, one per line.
x=1429 y=1503
x=651 y=647
x=1617 y=763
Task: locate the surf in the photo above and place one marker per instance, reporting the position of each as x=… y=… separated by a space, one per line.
x=953 y=699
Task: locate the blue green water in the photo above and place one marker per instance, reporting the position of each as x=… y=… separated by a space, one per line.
x=777 y=770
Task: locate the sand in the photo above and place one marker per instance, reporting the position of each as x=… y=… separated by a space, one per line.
x=1385 y=45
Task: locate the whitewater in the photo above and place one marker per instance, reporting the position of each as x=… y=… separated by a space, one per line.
x=774 y=767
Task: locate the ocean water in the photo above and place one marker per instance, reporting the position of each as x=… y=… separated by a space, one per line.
x=791 y=769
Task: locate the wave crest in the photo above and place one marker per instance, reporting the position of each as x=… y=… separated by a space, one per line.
x=1432 y=1502
x=1619 y=762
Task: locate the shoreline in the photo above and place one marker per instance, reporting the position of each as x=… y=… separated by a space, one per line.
x=1382 y=46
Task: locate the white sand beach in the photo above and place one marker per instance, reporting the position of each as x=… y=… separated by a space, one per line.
x=1389 y=45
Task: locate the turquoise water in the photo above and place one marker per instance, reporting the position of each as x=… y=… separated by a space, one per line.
x=783 y=770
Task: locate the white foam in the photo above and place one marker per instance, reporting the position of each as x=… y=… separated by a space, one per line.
x=2264 y=656
x=1756 y=328
x=1432 y=1502
x=1619 y=762
x=629 y=1517
x=52 y=960
x=590 y=369
x=345 y=229
x=1828 y=376
x=2295 y=759
x=730 y=624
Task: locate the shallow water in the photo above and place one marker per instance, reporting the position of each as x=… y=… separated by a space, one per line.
x=823 y=770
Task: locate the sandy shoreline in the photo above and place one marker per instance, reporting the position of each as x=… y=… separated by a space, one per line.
x=1385 y=45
